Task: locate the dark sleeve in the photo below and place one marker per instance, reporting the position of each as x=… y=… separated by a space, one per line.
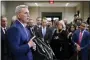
x=49 y=37
x=65 y=35
x=13 y=35
x=37 y=33
x=52 y=38
x=69 y=38
x=74 y=38
x=88 y=40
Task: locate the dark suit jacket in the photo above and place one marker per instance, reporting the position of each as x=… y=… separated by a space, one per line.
x=31 y=30
x=3 y=42
x=18 y=42
x=4 y=45
x=60 y=44
x=36 y=28
x=2 y=35
x=84 y=43
x=47 y=36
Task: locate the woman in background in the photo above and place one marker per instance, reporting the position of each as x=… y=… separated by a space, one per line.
x=72 y=29
x=59 y=43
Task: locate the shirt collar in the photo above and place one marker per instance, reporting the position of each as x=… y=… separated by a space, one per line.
x=82 y=31
x=43 y=27
x=22 y=24
x=3 y=28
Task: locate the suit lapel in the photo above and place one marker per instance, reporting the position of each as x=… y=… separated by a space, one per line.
x=22 y=28
x=40 y=32
x=83 y=35
x=78 y=32
x=2 y=31
x=46 y=31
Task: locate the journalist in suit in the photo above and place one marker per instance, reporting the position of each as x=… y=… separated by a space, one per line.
x=19 y=38
x=44 y=32
x=4 y=52
x=83 y=45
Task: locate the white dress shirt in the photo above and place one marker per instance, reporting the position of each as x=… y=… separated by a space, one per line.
x=43 y=31
x=3 y=29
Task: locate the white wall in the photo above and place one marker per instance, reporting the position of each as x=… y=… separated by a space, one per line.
x=84 y=10
x=3 y=9
x=67 y=13
x=10 y=9
x=34 y=13
x=79 y=7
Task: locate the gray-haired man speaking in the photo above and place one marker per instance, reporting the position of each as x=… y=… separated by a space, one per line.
x=19 y=38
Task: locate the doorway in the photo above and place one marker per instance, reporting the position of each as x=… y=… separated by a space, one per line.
x=52 y=15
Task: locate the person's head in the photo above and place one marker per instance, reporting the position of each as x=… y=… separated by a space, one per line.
x=65 y=21
x=79 y=21
x=76 y=15
x=22 y=13
x=89 y=28
x=82 y=26
x=44 y=22
x=14 y=18
x=54 y=23
x=31 y=23
x=38 y=20
x=59 y=25
x=88 y=20
x=72 y=28
x=49 y=24
x=3 y=21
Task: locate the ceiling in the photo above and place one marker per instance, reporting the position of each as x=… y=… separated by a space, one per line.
x=45 y=3
x=56 y=4
x=45 y=0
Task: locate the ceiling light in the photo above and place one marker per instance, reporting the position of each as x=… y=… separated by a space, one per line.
x=36 y=4
x=67 y=4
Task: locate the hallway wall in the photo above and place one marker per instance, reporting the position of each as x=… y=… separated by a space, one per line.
x=84 y=10
x=8 y=9
x=67 y=12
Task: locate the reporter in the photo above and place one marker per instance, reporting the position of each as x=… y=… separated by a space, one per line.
x=59 y=43
x=81 y=39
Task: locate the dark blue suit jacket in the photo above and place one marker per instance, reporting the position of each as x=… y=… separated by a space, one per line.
x=2 y=35
x=3 y=44
x=84 y=43
x=18 y=42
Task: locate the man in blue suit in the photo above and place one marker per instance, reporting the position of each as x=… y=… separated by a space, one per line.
x=81 y=39
x=19 y=38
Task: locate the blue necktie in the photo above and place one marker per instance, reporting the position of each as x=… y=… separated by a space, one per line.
x=44 y=32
